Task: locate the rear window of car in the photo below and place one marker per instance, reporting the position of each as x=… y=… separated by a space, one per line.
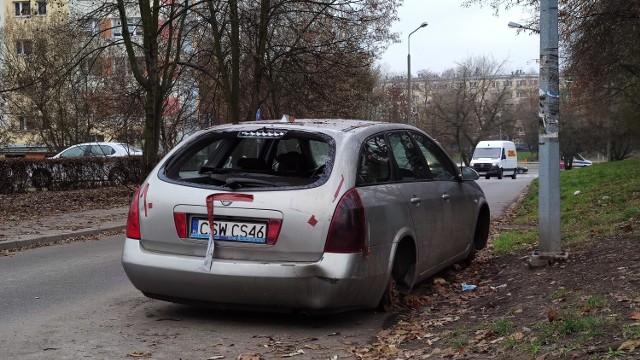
x=253 y=159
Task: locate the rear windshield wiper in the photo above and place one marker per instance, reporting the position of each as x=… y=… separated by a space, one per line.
x=235 y=183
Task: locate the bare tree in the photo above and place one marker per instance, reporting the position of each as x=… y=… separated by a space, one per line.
x=154 y=58
x=306 y=58
x=599 y=38
x=472 y=103
x=43 y=95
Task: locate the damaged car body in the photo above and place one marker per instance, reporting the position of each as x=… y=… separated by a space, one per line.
x=311 y=215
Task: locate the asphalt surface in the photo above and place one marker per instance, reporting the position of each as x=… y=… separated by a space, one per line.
x=15 y=234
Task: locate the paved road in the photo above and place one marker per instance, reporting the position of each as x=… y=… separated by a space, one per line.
x=74 y=301
x=501 y=193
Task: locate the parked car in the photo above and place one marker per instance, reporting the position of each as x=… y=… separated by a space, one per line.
x=108 y=149
x=521 y=169
x=578 y=162
x=314 y=215
x=43 y=176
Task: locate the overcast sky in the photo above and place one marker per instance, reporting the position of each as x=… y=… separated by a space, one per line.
x=454 y=34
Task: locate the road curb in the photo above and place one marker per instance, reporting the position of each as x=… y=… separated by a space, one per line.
x=29 y=240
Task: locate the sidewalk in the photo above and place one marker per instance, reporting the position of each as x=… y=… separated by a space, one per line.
x=15 y=234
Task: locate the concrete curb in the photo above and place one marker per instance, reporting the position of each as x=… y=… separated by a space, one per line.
x=29 y=240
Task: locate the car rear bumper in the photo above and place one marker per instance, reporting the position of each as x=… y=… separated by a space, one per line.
x=335 y=282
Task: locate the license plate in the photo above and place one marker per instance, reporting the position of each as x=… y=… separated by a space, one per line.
x=240 y=231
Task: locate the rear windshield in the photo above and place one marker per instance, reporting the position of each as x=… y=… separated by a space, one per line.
x=257 y=159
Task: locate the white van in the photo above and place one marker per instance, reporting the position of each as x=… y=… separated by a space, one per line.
x=495 y=158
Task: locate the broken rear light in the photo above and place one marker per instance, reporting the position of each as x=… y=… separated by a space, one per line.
x=180 y=220
x=133 y=217
x=347 y=232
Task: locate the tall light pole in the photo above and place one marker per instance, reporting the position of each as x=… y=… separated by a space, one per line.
x=549 y=146
x=424 y=24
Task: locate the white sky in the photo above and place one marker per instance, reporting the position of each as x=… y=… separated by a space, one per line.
x=455 y=33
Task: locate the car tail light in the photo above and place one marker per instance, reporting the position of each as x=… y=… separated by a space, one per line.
x=180 y=219
x=347 y=232
x=133 y=218
x=274 y=230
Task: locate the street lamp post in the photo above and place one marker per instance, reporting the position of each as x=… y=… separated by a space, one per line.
x=549 y=146
x=514 y=25
x=424 y=24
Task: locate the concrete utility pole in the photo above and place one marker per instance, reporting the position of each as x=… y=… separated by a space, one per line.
x=409 y=101
x=549 y=145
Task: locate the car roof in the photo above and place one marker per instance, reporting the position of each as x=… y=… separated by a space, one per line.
x=334 y=126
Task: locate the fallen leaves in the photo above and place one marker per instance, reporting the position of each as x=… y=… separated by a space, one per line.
x=33 y=204
x=630 y=344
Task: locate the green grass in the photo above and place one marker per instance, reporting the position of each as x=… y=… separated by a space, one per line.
x=525 y=156
x=608 y=200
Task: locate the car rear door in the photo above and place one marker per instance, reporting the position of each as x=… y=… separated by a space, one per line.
x=457 y=208
x=422 y=196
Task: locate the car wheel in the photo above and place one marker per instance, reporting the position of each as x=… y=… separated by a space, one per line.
x=480 y=236
x=41 y=178
x=118 y=177
x=390 y=297
x=515 y=174
x=499 y=173
x=487 y=176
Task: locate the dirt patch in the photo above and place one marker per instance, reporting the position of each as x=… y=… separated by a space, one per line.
x=585 y=308
x=41 y=203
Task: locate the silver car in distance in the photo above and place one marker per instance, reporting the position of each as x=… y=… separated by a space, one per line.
x=311 y=215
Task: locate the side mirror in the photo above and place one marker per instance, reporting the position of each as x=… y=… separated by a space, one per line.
x=469 y=173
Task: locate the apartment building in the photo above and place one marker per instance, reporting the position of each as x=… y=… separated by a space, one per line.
x=29 y=26
x=518 y=88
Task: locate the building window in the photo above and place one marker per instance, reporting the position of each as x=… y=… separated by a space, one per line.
x=507 y=83
x=90 y=27
x=22 y=8
x=24 y=47
x=134 y=26
x=522 y=83
x=24 y=124
x=42 y=7
x=521 y=94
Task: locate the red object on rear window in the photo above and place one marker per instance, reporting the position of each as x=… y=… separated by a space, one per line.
x=133 y=217
x=347 y=233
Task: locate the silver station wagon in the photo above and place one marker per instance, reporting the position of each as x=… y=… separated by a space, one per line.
x=310 y=215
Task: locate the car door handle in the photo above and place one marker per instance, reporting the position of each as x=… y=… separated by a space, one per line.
x=446 y=196
x=415 y=200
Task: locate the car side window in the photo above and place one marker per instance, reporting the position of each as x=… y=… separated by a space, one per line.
x=374 y=166
x=107 y=150
x=410 y=164
x=100 y=150
x=76 y=151
x=439 y=164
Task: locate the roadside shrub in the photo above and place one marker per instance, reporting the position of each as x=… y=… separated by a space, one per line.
x=20 y=175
